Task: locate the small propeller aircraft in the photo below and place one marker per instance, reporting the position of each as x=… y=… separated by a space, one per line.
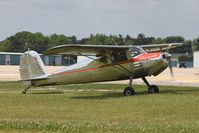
x=105 y=63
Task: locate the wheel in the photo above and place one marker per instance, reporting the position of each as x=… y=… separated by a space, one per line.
x=153 y=89
x=23 y=92
x=128 y=91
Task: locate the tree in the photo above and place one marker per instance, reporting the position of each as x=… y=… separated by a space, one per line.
x=73 y=39
x=196 y=44
x=128 y=40
x=5 y=45
x=98 y=39
x=22 y=41
x=109 y=40
x=39 y=42
x=59 y=39
x=158 y=41
x=186 y=48
x=116 y=40
x=142 y=40
x=174 y=39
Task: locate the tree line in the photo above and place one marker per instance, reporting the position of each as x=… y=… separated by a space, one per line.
x=22 y=41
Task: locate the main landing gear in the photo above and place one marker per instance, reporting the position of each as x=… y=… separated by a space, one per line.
x=152 y=88
x=130 y=91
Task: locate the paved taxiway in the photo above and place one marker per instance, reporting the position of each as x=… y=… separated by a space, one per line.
x=182 y=77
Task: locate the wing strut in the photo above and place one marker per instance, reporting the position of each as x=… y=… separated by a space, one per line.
x=131 y=72
x=128 y=90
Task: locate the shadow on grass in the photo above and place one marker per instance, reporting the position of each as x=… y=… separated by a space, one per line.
x=108 y=95
x=171 y=90
x=101 y=96
x=45 y=93
x=180 y=91
x=140 y=93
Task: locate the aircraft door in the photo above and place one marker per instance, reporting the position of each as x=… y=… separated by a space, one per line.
x=138 y=67
x=118 y=56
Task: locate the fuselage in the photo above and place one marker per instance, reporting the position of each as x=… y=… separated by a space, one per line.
x=114 y=66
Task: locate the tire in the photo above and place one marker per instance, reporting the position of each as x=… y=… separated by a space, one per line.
x=128 y=91
x=153 y=89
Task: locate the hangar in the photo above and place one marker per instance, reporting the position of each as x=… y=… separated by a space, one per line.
x=9 y=58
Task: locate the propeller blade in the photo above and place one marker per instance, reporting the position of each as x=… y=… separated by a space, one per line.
x=168 y=57
x=170 y=67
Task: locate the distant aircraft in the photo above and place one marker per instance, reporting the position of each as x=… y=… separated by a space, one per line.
x=105 y=63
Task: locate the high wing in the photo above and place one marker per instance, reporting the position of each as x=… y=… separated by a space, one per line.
x=83 y=49
x=160 y=47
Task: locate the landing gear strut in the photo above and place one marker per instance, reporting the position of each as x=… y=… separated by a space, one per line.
x=152 y=88
x=24 y=91
x=129 y=90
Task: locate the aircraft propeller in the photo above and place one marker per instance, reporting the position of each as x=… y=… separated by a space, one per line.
x=170 y=66
x=168 y=57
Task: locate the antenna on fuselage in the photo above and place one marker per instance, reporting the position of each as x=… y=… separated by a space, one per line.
x=114 y=41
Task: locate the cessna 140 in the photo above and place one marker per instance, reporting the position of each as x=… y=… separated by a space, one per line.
x=105 y=63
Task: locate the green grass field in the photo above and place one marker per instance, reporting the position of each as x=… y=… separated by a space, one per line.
x=90 y=108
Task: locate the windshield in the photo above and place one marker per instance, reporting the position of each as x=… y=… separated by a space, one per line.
x=135 y=50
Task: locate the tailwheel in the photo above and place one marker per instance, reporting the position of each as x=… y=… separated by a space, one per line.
x=128 y=91
x=153 y=89
x=24 y=91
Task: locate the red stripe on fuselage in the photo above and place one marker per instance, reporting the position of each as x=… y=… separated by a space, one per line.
x=138 y=58
x=146 y=56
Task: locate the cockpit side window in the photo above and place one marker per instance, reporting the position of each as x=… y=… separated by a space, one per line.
x=119 y=56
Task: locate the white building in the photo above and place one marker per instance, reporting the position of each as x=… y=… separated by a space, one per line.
x=196 y=59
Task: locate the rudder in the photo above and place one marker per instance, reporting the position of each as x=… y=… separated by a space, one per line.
x=32 y=67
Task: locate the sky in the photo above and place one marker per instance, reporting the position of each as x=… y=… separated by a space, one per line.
x=158 y=18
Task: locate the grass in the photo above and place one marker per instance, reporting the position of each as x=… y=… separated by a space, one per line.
x=90 y=108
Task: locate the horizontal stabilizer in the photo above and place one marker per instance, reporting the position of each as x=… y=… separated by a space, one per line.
x=37 y=78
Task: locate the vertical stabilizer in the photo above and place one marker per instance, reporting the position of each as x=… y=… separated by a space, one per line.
x=32 y=67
